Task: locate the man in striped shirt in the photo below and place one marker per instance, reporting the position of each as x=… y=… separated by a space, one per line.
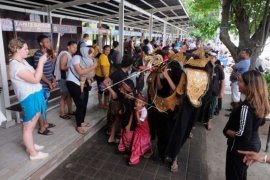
x=47 y=80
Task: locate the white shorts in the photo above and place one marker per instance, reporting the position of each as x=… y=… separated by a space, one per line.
x=235 y=92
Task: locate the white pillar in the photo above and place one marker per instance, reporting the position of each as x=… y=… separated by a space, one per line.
x=151 y=27
x=164 y=35
x=177 y=33
x=100 y=36
x=181 y=35
x=50 y=21
x=4 y=95
x=121 y=27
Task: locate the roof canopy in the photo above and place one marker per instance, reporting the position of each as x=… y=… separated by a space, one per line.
x=137 y=12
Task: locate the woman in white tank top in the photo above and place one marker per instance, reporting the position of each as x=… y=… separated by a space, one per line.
x=26 y=84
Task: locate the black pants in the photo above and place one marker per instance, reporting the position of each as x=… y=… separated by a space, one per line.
x=164 y=125
x=235 y=168
x=81 y=104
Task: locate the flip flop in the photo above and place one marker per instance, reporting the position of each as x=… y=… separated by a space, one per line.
x=65 y=116
x=51 y=125
x=46 y=132
x=72 y=113
x=85 y=124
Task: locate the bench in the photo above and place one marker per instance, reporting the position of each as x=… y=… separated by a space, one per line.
x=55 y=95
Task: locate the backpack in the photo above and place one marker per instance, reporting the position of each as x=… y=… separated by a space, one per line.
x=31 y=61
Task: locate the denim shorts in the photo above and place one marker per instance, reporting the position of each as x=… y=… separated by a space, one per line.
x=63 y=87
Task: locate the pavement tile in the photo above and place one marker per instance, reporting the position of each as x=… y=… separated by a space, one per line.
x=96 y=163
x=161 y=178
x=130 y=178
x=89 y=171
x=151 y=168
x=102 y=175
x=84 y=161
x=97 y=160
x=147 y=176
x=77 y=168
x=164 y=171
x=120 y=169
x=114 y=158
x=114 y=176
x=135 y=173
x=69 y=176
x=108 y=166
x=102 y=156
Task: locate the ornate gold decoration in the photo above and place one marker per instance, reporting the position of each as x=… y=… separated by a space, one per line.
x=199 y=52
x=198 y=62
x=197 y=85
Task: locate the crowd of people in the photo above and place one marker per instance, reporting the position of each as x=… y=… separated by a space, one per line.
x=133 y=121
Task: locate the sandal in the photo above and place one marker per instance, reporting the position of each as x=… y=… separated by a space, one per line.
x=51 y=125
x=174 y=168
x=65 y=116
x=46 y=132
x=73 y=113
x=80 y=130
x=86 y=124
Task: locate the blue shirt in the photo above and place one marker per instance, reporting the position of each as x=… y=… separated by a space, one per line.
x=243 y=66
x=47 y=69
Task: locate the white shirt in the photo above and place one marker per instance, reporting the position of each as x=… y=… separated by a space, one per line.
x=21 y=87
x=150 y=48
x=57 y=69
x=143 y=114
x=72 y=72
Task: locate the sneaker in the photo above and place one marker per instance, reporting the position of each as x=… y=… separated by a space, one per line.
x=40 y=155
x=38 y=147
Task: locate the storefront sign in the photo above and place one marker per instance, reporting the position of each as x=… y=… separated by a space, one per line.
x=64 y=29
x=28 y=26
x=87 y=30
x=6 y=24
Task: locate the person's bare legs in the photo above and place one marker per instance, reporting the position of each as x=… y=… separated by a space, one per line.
x=62 y=105
x=28 y=129
x=113 y=130
x=100 y=105
x=106 y=101
x=69 y=104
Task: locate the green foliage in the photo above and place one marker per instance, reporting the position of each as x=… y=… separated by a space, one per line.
x=204 y=17
x=267 y=79
x=205 y=20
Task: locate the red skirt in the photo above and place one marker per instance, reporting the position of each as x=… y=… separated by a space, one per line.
x=125 y=141
x=141 y=142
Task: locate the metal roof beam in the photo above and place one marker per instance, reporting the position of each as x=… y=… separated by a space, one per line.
x=69 y=4
x=154 y=10
x=166 y=19
x=136 y=8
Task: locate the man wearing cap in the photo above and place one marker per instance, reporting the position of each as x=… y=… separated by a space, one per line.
x=238 y=69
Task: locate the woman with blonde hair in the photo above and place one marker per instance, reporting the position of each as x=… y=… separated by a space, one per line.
x=244 y=122
x=26 y=84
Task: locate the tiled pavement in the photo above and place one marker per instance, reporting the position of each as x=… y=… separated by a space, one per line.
x=96 y=159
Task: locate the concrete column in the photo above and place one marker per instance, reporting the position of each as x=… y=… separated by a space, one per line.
x=100 y=36
x=164 y=35
x=181 y=35
x=151 y=27
x=177 y=33
x=121 y=27
x=4 y=94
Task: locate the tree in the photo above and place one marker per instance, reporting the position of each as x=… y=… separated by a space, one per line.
x=249 y=19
